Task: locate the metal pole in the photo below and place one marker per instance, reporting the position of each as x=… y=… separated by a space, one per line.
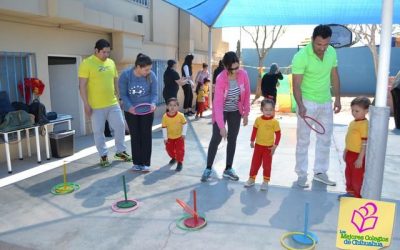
x=378 y=127
x=210 y=49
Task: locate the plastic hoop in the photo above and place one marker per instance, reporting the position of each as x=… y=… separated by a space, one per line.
x=286 y=235
x=117 y=209
x=181 y=225
x=306 y=119
x=149 y=105
x=64 y=188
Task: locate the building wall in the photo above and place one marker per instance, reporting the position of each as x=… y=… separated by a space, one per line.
x=355 y=65
x=44 y=41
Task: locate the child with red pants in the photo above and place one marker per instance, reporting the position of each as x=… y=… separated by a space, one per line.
x=201 y=100
x=267 y=134
x=174 y=128
x=206 y=85
x=356 y=142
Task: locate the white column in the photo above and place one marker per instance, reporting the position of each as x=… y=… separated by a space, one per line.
x=378 y=128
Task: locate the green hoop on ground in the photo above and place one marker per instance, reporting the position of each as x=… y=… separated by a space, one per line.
x=180 y=223
x=289 y=234
x=64 y=188
x=125 y=206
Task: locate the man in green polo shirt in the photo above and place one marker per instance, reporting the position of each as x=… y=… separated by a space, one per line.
x=314 y=71
x=98 y=85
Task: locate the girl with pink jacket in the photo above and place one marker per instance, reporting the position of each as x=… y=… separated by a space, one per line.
x=231 y=103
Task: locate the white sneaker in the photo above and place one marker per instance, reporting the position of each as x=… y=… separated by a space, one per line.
x=250 y=182
x=264 y=186
x=322 y=177
x=145 y=169
x=302 y=182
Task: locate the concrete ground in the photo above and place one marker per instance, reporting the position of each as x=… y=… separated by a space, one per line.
x=238 y=218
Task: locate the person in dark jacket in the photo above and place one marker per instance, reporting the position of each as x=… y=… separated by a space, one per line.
x=269 y=82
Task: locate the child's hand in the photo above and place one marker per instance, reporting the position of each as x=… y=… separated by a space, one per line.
x=183 y=137
x=344 y=155
x=358 y=163
x=273 y=149
x=252 y=144
x=165 y=141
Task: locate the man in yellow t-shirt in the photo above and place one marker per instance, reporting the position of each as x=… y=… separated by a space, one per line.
x=98 y=86
x=314 y=70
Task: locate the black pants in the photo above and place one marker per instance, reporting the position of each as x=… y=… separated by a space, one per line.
x=396 y=106
x=168 y=95
x=107 y=131
x=140 y=129
x=188 y=93
x=233 y=120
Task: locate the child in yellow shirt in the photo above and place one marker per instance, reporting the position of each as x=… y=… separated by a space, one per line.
x=356 y=142
x=266 y=134
x=174 y=128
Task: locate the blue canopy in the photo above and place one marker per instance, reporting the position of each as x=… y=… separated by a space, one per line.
x=236 y=13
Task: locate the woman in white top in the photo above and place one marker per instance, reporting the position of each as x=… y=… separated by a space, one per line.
x=187 y=88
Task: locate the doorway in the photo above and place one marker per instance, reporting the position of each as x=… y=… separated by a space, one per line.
x=64 y=90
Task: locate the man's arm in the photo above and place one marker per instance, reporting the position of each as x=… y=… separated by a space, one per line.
x=83 y=92
x=297 y=80
x=336 y=89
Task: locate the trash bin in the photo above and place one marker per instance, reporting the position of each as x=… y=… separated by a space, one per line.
x=62 y=143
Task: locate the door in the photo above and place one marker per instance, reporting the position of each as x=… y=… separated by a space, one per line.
x=64 y=90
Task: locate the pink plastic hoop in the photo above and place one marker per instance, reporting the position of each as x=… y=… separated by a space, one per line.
x=143 y=105
x=306 y=119
x=115 y=208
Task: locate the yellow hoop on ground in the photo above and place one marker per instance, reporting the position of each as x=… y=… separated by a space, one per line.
x=286 y=235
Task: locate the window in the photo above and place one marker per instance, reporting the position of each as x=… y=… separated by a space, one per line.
x=158 y=68
x=144 y=3
x=14 y=67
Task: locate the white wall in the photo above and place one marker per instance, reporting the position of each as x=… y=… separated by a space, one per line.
x=45 y=41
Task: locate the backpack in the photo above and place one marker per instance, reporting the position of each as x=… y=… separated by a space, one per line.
x=16 y=120
x=38 y=109
x=5 y=105
x=20 y=106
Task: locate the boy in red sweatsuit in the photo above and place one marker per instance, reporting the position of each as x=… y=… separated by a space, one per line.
x=266 y=134
x=174 y=128
x=356 y=143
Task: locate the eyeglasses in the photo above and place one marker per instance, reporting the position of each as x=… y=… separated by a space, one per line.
x=232 y=69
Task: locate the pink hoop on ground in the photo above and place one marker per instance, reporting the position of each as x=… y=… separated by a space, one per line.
x=146 y=106
x=307 y=119
x=117 y=209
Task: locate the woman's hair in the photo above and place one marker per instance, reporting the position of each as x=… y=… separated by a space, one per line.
x=323 y=31
x=101 y=44
x=229 y=59
x=361 y=101
x=273 y=68
x=171 y=63
x=188 y=61
x=205 y=65
x=266 y=102
x=142 y=60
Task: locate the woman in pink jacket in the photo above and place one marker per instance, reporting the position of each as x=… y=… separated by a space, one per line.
x=231 y=103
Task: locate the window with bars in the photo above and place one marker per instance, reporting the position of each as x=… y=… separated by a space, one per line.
x=14 y=67
x=158 y=68
x=144 y=3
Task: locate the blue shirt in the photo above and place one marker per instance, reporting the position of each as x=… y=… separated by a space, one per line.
x=137 y=90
